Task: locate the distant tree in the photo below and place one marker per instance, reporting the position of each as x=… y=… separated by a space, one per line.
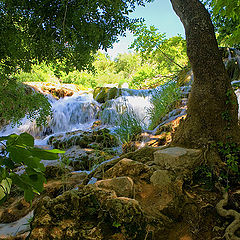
x=168 y=54
x=212 y=113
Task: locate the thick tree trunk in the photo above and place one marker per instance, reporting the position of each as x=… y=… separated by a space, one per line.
x=212 y=107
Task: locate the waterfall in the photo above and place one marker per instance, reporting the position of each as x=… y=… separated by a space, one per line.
x=77 y=112
x=137 y=104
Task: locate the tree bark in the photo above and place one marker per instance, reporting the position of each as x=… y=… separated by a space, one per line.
x=212 y=113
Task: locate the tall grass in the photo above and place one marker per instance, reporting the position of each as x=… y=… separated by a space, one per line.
x=129 y=126
x=163 y=100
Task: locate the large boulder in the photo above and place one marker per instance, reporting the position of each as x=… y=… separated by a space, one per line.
x=130 y=168
x=89 y=213
x=178 y=159
x=123 y=186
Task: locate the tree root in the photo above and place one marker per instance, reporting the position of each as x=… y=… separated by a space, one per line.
x=235 y=225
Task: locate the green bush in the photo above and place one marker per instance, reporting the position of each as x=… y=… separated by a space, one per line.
x=39 y=73
x=162 y=101
x=142 y=77
x=19 y=150
x=19 y=100
x=82 y=78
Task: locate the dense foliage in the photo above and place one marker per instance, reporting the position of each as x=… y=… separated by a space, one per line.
x=157 y=60
x=226 y=19
x=167 y=54
x=65 y=30
x=18 y=99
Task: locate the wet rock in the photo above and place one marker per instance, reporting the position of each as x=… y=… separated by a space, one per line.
x=87 y=158
x=100 y=94
x=98 y=139
x=123 y=186
x=55 y=89
x=178 y=159
x=89 y=213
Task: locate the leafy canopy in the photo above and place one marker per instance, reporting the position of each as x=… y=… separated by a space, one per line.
x=169 y=54
x=226 y=19
x=60 y=29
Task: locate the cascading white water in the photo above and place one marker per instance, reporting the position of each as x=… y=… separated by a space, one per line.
x=79 y=111
x=69 y=113
x=137 y=104
x=73 y=113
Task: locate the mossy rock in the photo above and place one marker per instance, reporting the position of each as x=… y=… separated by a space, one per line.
x=100 y=139
x=89 y=213
x=103 y=94
x=100 y=94
x=114 y=93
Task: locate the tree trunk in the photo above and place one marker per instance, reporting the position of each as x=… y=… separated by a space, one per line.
x=212 y=113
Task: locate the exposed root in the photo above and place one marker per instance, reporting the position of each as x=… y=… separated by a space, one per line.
x=235 y=225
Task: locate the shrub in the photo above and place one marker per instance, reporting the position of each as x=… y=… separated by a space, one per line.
x=83 y=78
x=19 y=100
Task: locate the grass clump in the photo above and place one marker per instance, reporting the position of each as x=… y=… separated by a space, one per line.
x=129 y=126
x=162 y=101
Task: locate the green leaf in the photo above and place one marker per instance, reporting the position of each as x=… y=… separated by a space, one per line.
x=25 y=139
x=5 y=187
x=11 y=139
x=18 y=153
x=35 y=179
x=28 y=194
x=7 y=162
x=17 y=180
x=34 y=163
x=46 y=154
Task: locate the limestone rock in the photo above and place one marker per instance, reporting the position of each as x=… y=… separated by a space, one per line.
x=128 y=167
x=123 y=186
x=99 y=139
x=89 y=213
x=86 y=158
x=177 y=158
x=161 y=178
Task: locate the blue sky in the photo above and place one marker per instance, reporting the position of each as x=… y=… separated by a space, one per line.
x=160 y=14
